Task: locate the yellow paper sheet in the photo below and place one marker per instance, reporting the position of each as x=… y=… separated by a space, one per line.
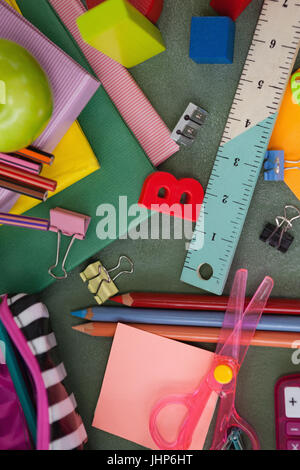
x=74 y=160
x=13 y=3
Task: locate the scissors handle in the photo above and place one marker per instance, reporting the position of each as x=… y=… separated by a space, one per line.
x=194 y=403
x=247 y=429
x=233 y=421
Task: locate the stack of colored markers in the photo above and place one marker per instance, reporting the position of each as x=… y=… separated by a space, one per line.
x=20 y=172
x=190 y=317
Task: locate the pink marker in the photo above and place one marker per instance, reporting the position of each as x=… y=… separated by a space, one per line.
x=21 y=163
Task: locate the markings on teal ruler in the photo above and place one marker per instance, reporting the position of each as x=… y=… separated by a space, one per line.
x=239 y=163
x=247 y=132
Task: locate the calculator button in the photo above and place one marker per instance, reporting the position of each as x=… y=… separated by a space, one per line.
x=292 y=402
x=293 y=445
x=293 y=429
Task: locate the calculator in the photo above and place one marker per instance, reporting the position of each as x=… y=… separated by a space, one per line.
x=287 y=412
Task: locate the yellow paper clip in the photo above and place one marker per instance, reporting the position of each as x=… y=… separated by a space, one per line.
x=100 y=283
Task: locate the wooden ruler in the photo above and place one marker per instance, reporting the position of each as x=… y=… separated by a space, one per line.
x=267 y=69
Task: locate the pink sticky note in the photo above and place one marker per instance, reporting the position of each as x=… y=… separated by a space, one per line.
x=142 y=369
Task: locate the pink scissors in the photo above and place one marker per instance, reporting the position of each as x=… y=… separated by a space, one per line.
x=237 y=332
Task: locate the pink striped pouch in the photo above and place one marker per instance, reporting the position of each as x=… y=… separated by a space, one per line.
x=134 y=107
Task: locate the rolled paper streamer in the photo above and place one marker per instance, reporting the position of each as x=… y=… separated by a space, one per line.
x=132 y=104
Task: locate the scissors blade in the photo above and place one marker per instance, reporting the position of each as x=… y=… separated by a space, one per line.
x=228 y=344
x=252 y=316
x=239 y=339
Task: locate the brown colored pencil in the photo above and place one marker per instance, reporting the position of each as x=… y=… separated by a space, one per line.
x=193 y=334
x=24 y=189
x=199 y=302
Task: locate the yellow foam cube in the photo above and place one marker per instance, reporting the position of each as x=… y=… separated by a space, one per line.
x=120 y=31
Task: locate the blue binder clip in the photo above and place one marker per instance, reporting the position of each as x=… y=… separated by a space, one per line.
x=275 y=165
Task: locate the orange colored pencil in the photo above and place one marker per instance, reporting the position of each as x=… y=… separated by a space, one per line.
x=36 y=155
x=193 y=334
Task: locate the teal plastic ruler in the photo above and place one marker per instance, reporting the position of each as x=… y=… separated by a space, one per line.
x=266 y=73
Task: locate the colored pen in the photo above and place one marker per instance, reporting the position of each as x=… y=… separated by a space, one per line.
x=22 y=176
x=24 y=221
x=193 y=334
x=36 y=155
x=210 y=319
x=21 y=163
x=199 y=302
x=24 y=189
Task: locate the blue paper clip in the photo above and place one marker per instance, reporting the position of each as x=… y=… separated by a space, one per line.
x=275 y=165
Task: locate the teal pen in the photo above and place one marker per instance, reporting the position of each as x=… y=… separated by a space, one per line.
x=19 y=383
x=209 y=319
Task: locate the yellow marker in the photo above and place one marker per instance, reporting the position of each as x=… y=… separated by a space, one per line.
x=223 y=374
x=2 y=92
x=120 y=31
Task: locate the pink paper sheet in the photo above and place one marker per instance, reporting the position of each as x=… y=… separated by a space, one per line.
x=132 y=104
x=142 y=369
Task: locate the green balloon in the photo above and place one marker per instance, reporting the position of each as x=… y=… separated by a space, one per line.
x=26 y=102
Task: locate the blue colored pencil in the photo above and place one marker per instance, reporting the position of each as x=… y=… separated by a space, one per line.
x=210 y=319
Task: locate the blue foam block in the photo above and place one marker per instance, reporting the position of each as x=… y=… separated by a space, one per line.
x=212 y=39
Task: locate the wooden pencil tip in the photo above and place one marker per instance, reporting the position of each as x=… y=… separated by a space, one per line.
x=80 y=328
x=125 y=299
x=118 y=299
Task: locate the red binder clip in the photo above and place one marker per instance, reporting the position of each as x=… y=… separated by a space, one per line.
x=162 y=192
x=71 y=224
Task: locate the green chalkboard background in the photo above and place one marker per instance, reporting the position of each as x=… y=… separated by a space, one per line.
x=171 y=80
